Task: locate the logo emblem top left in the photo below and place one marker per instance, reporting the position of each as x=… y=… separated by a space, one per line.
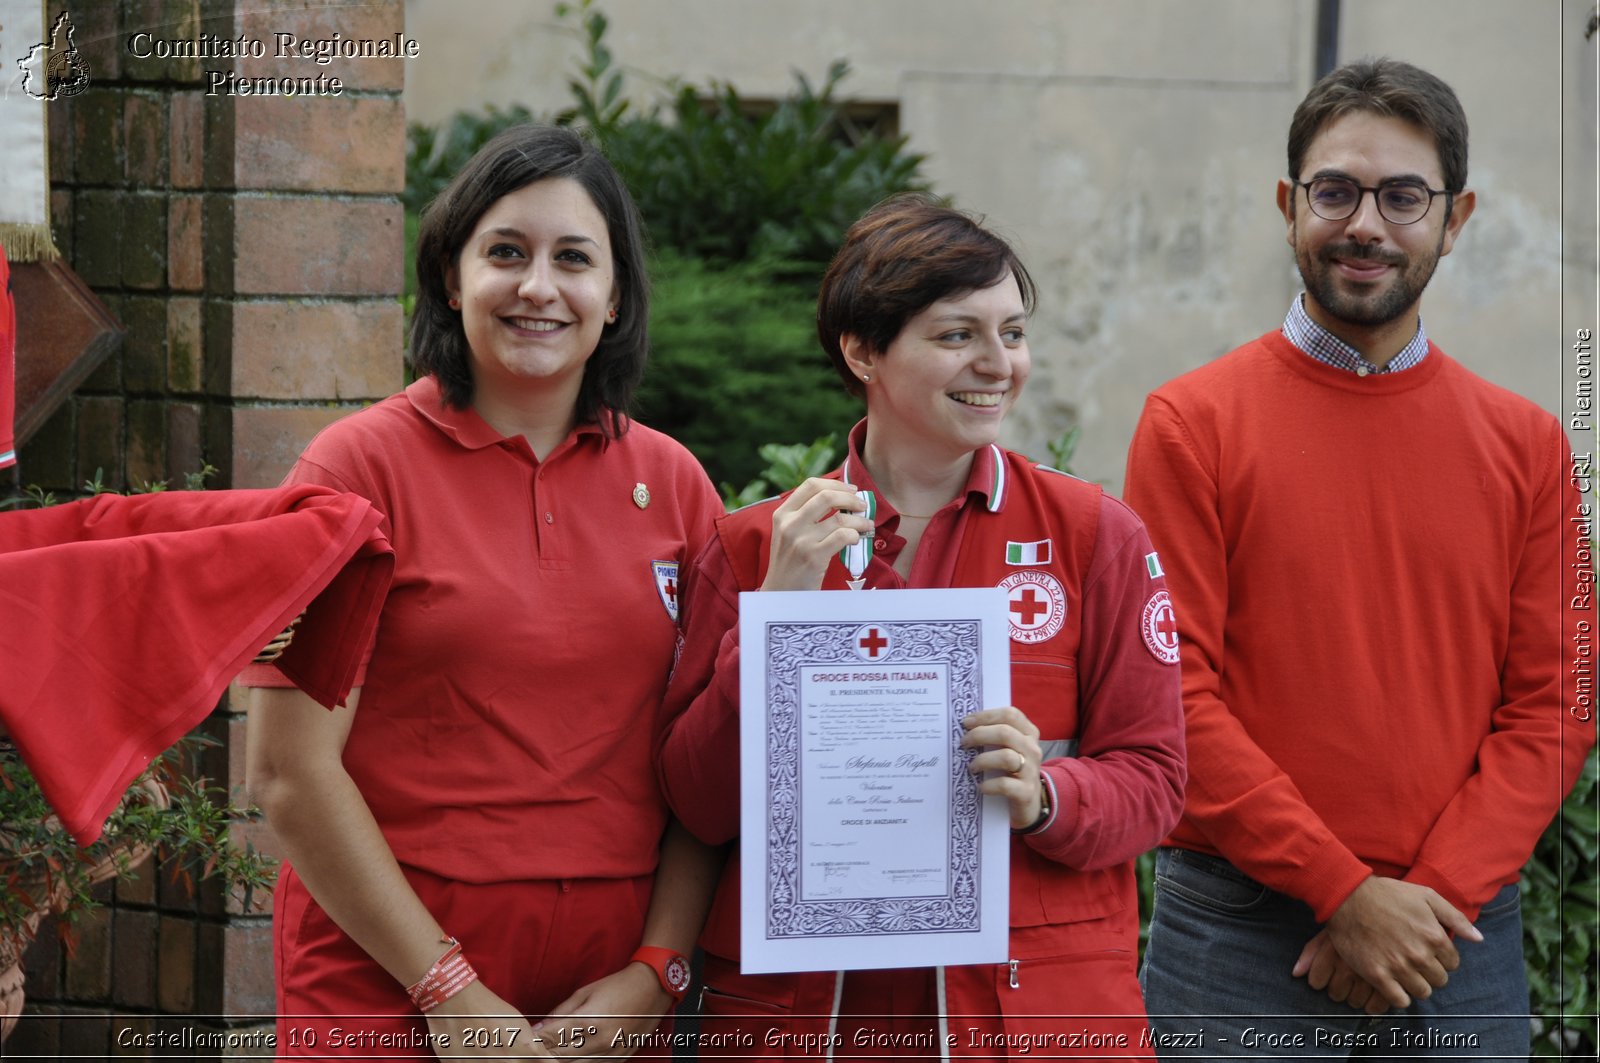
x=55 y=69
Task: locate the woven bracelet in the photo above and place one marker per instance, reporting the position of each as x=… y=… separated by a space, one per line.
x=447 y=977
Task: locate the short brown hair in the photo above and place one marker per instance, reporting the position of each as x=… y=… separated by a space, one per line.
x=516 y=158
x=1392 y=89
x=900 y=258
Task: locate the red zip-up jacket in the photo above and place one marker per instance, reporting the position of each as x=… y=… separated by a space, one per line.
x=1094 y=669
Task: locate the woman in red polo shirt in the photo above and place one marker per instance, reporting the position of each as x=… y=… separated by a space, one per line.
x=924 y=312
x=476 y=833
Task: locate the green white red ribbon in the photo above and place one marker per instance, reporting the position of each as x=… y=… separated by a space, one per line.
x=857 y=556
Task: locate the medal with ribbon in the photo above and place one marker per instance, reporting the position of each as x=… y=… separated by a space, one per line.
x=856 y=556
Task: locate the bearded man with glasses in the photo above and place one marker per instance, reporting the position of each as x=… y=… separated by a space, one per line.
x=1379 y=563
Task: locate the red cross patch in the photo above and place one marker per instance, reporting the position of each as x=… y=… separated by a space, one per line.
x=1160 y=628
x=666 y=573
x=1036 y=606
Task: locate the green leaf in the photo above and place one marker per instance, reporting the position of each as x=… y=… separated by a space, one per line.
x=1062 y=448
x=790 y=465
x=750 y=493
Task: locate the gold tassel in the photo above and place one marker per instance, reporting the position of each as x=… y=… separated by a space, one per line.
x=28 y=242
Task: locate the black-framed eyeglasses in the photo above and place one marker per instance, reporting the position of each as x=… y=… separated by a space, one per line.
x=1400 y=202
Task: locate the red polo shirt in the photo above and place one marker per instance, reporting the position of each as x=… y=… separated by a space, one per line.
x=512 y=699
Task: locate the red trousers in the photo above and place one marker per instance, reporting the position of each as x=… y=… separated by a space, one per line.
x=531 y=942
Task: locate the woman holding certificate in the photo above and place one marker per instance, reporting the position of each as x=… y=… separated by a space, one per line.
x=474 y=837
x=924 y=312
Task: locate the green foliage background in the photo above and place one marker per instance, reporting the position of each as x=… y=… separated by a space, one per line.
x=737 y=363
x=721 y=181
x=745 y=206
x=1560 y=922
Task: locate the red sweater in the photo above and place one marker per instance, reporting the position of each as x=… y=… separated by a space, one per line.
x=1376 y=609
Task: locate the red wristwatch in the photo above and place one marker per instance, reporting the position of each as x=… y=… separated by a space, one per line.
x=671 y=967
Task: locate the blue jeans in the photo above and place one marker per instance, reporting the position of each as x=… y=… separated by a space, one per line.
x=1217 y=984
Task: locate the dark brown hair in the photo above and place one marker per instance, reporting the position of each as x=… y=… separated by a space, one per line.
x=1392 y=89
x=515 y=159
x=900 y=258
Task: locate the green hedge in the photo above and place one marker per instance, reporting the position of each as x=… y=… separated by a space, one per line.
x=734 y=362
x=721 y=180
x=1560 y=922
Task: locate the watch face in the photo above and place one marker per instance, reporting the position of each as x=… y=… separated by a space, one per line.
x=677 y=973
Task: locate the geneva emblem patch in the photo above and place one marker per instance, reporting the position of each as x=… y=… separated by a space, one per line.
x=666 y=573
x=1037 y=605
x=1160 y=627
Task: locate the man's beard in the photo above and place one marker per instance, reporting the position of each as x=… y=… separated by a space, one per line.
x=1376 y=308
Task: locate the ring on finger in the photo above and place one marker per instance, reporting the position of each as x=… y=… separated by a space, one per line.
x=1022 y=762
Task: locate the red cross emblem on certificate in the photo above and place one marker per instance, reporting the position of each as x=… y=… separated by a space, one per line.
x=873 y=642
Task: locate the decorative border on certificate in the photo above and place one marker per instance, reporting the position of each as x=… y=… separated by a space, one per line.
x=947 y=651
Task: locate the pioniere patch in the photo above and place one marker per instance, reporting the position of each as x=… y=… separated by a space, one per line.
x=666 y=574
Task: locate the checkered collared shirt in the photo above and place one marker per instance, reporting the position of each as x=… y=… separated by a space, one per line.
x=1325 y=347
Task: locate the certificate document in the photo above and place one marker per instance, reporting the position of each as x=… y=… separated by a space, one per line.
x=865 y=840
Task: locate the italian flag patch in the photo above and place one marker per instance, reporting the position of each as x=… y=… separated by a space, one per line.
x=1028 y=553
x=1153 y=563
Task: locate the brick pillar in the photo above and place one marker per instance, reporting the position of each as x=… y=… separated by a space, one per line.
x=305 y=240
x=253 y=246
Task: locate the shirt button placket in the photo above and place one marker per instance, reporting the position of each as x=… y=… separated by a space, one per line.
x=538 y=536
